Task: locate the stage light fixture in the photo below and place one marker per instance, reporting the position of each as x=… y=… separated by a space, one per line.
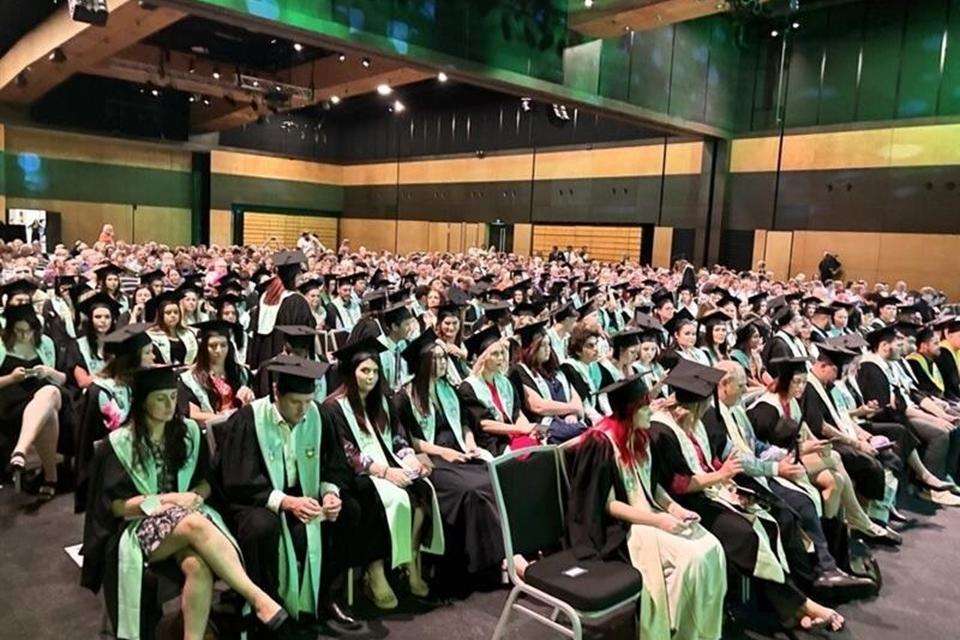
x=795 y=25
x=398 y=107
x=774 y=33
x=206 y=102
x=384 y=89
x=366 y=62
x=297 y=47
x=216 y=74
x=334 y=99
x=442 y=77
x=90 y=11
x=342 y=57
x=57 y=55
x=588 y=3
x=525 y=104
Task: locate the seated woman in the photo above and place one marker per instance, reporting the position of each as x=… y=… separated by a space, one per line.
x=624 y=350
x=108 y=282
x=147 y=506
x=747 y=350
x=137 y=313
x=583 y=371
x=648 y=363
x=99 y=318
x=618 y=511
x=491 y=401
x=430 y=411
x=107 y=403
x=174 y=343
x=227 y=308
x=404 y=518
x=31 y=387
x=448 y=330
x=59 y=309
x=192 y=306
x=683 y=336
x=546 y=395
x=216 y=385
x=713 y=341
x=751 y=537
x=778 y=419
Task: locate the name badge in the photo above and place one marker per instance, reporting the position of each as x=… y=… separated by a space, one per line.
x=310 y=452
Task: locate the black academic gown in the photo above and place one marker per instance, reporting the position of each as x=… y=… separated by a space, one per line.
x=102 y=530
x=294 y=310
x=471 y=522
x=736 y=535
x=867 y=472
x=951 y=376
x=91 y=427
x=925 y=383
x=476 y=411
x=241 y=486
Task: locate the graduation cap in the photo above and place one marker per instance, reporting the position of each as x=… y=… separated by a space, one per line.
x=217 y=328
x=156 y=378
x=417 y=349
x=15 y=313
x=646 y=321
x=396 y=313
x=564 y=312
x=298 y=335
x=289 y=259
x=714 y=318
x=528 y=309
x=878 y=336
x=746 y=330
x=950 y=323
x=661 y=297
x=785 y=366
x=776 y=303
x=907 y=328
x=817 y=300
x=757 y=298
x=823 y=310
x=622 y=392
x=837 y=356
x=926 y=332
x=587 y=307
x=783 y=316
x=528 y=333
x=25 y=286
x=309 y=284
x=149 y=277
x=625 y=339
x=369 y=346
x=347 y=279
x=837 y=305
x=108 y=269
x=375 y=300
x=99 y=300
x=693 y=382
x=793 y=297
x=849 y=341
x=480 y=341
x=295 y=374
x=447 y=310
x=886 y=301
x=674 y=323
x=127 y=339
x=226 y=298
x=62 y=281
x=154 y=304
x=499 y=294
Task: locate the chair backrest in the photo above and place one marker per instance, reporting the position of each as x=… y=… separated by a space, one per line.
x=527 y=486
x=568 y=456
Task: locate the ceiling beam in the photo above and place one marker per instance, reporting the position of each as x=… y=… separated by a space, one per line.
x=60 y=47
x=612 y=19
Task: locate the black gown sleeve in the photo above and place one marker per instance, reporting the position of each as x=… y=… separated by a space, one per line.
x=815 y=413
x=669 y=467
x=873 y=384
x=716 y=432
x=578 y=383
x=951 y=377
x=592 y=533
x=333 y=463
x=239 y=473
x=403 y=407
x=767 y=425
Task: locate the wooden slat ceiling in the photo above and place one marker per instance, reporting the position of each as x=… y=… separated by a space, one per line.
x=612 y=18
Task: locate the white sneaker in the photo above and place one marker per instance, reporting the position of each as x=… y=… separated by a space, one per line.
x=944 y=498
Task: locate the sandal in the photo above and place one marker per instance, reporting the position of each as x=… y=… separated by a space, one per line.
x=16 y=467
x=47 y=491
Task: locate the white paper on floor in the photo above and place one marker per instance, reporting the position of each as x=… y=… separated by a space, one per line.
x=74 y=552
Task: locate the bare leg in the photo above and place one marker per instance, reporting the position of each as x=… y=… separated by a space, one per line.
x=41 y=429
x=209 y=543
x=828 y=490
x=417 y=585
x=197 y=594
x=378 y=588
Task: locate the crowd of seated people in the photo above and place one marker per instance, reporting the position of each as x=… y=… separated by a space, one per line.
x=280 y=419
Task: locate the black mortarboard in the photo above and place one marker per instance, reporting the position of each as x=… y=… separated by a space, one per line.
x=586 y=307
x=396 y=313
x=925 y=332
x=127 y=339
x=151 y=276
x=713 y=317
x=793 y=297
x=661 y=297
x=783 y=316
x=99 y=300
x=108 y=269
x=480 y=341
x=886 y=301
x=837 y=356
x=153 y=304
x=647 y=322
x=528 y=333
x=757 y=298
x=448 y=309
x=298 y=335
x=823 y=310
x=746 y=330
x=147 y=379
x=375 y=300
x=564 y=312
x=496 y=310
x=309 y=284
x=673 y=323
x=415 y=351
x=289 y=258
x=878 y=336
x=296 y=374
x=837 y=305
x=227 y=298
x=346 y=279
x=625 y=339
x=622 y=392
x=849 y=341
x=14 y=313
x=907 y=328
x=217 y=327
x=788 y=366
x=21 y=285
x=817 y=300
x=528 y=308
x=369 y=345
x=62 y=281
x=693 y=382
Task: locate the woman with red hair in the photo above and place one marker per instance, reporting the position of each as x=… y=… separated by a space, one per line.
x=617 y=511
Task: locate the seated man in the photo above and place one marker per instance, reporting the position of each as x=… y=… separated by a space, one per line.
x=283 y=479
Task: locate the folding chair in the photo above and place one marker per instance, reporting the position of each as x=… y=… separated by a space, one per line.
x=527 y=487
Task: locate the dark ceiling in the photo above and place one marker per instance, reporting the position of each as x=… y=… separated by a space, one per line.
x=17 y=17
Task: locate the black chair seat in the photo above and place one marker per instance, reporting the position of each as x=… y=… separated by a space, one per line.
x=602 y=586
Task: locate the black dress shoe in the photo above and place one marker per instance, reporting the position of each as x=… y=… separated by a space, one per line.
x=888 y=538
x=342 y=617
x=837 y=578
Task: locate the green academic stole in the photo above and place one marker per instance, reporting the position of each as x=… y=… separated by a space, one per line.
x=929 y=368
x=446 y=397
x=46 y=351
x=63 y=310
x=504 y=389
x=396 y=502
x=590 y=373
x=299 y=595
x=191 y=383
x=92 y=363
x=131 y=560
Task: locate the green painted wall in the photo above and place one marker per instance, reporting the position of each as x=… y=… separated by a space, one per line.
x=228 y=190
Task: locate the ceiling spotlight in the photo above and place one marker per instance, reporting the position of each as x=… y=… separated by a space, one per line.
x=366 y=62
x=256 y=83
x=384 y=89
x=342 y=57
x=795 y=25
x=525 y=104
x=774 y=33
x=273 y=41
x=57 y=55
x=192 y=99
x=206 y=102
x=398 y=107
x=334 y=99
x=155 y=92
x=442 y=77
x=216 y=74
x=193 y=66
x=297 y=47
x=560 y=111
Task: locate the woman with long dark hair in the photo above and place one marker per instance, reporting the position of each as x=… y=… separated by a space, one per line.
x=619 y=511
x=30 y=395
x=227 y=308
x=545 y=393
x=216 y=385
x=99 y=318
x=683 y=338
x=746 y=351
x=388 y=474
x=713 y=340
x=173 y=342
x=147 y=505
x=431 y=411
x=449 y=331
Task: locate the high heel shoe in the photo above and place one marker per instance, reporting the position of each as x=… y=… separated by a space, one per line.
x=386 y=599
x=15 y=469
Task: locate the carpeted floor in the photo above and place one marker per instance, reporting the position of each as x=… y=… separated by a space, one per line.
x=41 y=600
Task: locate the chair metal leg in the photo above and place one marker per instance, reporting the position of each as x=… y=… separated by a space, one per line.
x=505 y=614
x=577 y=627
x=555 y=614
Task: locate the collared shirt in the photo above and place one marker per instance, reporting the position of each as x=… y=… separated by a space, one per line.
x=290 y=462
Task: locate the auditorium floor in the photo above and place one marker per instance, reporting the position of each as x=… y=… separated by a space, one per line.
x=41 y=600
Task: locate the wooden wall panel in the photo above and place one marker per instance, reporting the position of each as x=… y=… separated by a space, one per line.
x=455 y=237
x=71 y=146
x=166 y=225
x=759 y=246
x=83 y=220
x=684 y=158
x=487 y=169
x=474 y=235
x=262 y=166
x=374 y=234
x=439 y=237
x=616 y=162
x=382 y=173
x=859 y=252
x=662 y=246
x=412 y=235
x=522 y=239
x=754 y=154
x=286 y=228
x=777 y=253
x=602 y=242
x=221 y=227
